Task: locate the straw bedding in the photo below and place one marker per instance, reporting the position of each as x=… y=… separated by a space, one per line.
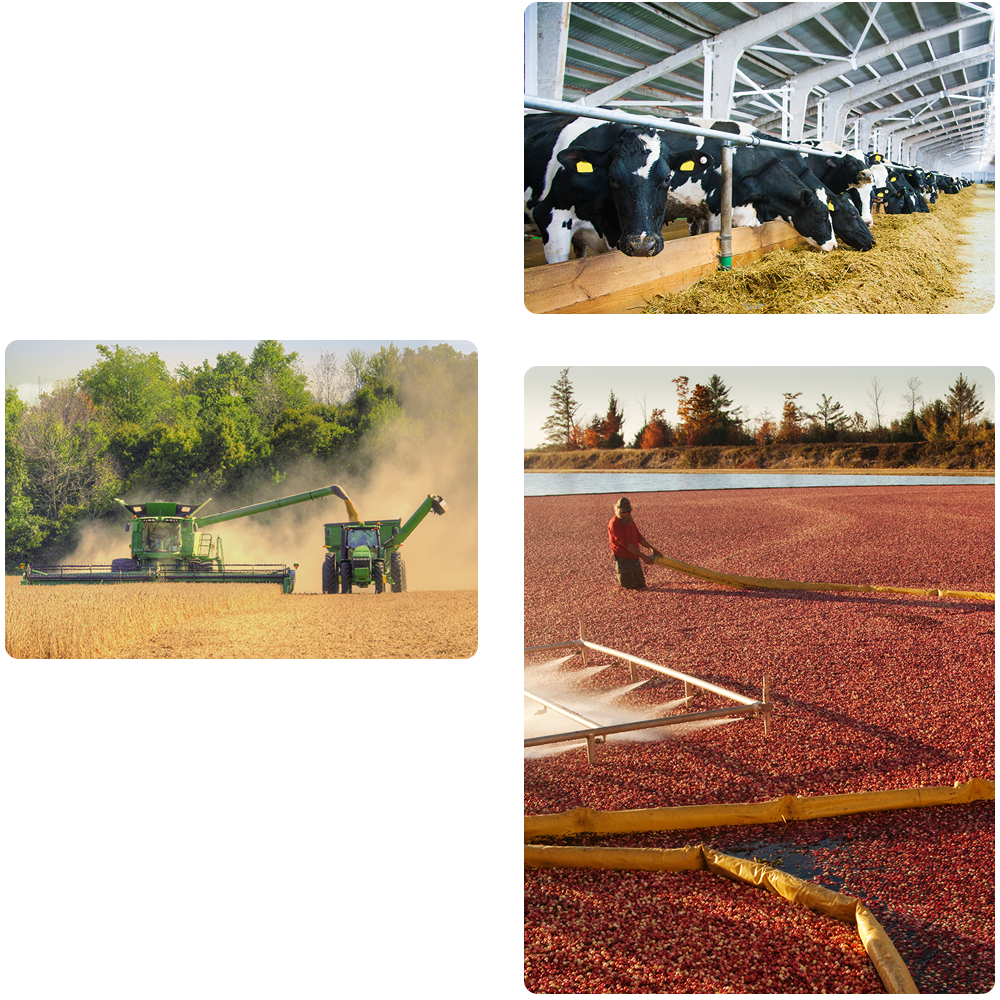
x=910 y=269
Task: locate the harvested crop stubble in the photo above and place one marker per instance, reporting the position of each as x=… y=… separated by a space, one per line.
x=909 y=270
x=79 y=621
x=870 y=692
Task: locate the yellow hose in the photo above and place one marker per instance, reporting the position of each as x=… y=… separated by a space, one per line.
x=766 y=584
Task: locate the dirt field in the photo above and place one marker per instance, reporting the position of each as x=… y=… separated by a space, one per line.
x=235 y=621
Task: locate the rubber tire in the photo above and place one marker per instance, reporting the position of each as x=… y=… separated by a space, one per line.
x=379 y=566
x=345 y=577
x=330 y=580
x=398 y=572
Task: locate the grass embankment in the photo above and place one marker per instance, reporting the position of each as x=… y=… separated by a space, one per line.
x=78 y=621
x=911 y=269
x=956 y=457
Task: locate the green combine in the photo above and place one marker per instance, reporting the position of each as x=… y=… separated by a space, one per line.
x=366 y=553
x=167 y=545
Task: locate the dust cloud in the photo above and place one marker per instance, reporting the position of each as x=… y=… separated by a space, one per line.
x=430 y=447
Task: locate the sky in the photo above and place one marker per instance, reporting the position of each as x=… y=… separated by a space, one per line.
x=30 y=364
x=642 y=389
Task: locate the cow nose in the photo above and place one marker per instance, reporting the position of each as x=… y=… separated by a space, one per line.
x=643 y=245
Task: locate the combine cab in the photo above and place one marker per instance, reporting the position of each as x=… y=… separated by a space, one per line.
x=366 y=553
x=167 y=545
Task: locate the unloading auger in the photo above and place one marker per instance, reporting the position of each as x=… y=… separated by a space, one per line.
x=167 y=545
x=762 y=583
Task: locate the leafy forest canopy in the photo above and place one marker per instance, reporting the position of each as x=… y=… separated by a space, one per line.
x=240 y=429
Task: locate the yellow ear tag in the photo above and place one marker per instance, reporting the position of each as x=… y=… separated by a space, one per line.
x=687 y=165
x=830 y=203
x=583 y=167
x=893 y=179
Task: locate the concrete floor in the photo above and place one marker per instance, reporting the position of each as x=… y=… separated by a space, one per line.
x=978 y=284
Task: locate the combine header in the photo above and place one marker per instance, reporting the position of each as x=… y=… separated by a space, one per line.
x=167 y=545
x=362 y=553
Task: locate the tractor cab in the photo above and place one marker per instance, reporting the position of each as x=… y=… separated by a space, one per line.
x=161 y=536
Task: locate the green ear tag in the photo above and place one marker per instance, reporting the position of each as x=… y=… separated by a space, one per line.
x=687 y=165
x=583 y=167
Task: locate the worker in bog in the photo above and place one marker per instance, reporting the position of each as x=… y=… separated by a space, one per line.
x=625 y=540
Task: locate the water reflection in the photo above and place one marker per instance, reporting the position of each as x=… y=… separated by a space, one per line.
x=542 y=484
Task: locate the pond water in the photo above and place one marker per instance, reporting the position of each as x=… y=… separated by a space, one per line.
x=543 y=484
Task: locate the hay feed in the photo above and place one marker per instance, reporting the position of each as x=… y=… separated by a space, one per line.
x=910 y=270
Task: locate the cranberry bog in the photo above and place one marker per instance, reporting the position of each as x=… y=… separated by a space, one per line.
x=869 y=693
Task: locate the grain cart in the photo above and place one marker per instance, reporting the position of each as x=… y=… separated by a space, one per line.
x=167 y=545
x=362 y=553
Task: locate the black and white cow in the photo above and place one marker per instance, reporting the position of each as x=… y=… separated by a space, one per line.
x=844 y=171
x=603 y=183
x=847 y=171
x=764 y=189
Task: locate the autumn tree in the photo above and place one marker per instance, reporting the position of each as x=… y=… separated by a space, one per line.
x=656 y=433
x=558 y=427
x=790 y=429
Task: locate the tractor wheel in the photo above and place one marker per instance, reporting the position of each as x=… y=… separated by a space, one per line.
x=379 y=567
x=329 y=575
x=124 y=565
x=397 y=569
x=345 y=577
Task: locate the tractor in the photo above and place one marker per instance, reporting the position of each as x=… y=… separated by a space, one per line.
x=366 y=553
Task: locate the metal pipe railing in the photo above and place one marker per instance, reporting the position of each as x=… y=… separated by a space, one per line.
x=754 y=708
x=628 y=657
x=596 y=733
x=610 y=115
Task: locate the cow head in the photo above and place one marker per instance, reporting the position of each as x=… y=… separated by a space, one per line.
x=848 y=224
x=634 y=173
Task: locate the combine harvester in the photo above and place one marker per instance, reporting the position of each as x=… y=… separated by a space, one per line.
x=167 y=545
x=361 y=553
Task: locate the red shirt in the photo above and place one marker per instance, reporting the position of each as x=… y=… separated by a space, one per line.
x=620 y=535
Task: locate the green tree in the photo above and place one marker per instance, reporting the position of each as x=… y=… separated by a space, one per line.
x=23 y=529
x=128 y=384
x=558 y=427
x=964 y=405
x=830 y=418
x=274 y=383
x=723 y=424
x=612 y=424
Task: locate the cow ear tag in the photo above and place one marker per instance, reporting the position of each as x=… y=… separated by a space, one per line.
x=583 y=167
x=830 y=203
x=687 y=165
x=893 y=179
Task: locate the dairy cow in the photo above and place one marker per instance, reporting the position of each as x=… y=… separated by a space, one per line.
x=597 y=184
x=764 y=189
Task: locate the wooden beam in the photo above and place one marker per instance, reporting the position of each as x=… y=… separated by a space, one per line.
x=615 y=283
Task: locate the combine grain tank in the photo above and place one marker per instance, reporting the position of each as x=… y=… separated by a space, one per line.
x=167 y=545
x=366 y=553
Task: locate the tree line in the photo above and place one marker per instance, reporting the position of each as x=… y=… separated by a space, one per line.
x=128 y=425
x=706 y=415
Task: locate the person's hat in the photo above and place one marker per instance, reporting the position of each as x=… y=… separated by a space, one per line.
x=624 y=504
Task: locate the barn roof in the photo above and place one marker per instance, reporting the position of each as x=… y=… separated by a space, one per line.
x=914 y=77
